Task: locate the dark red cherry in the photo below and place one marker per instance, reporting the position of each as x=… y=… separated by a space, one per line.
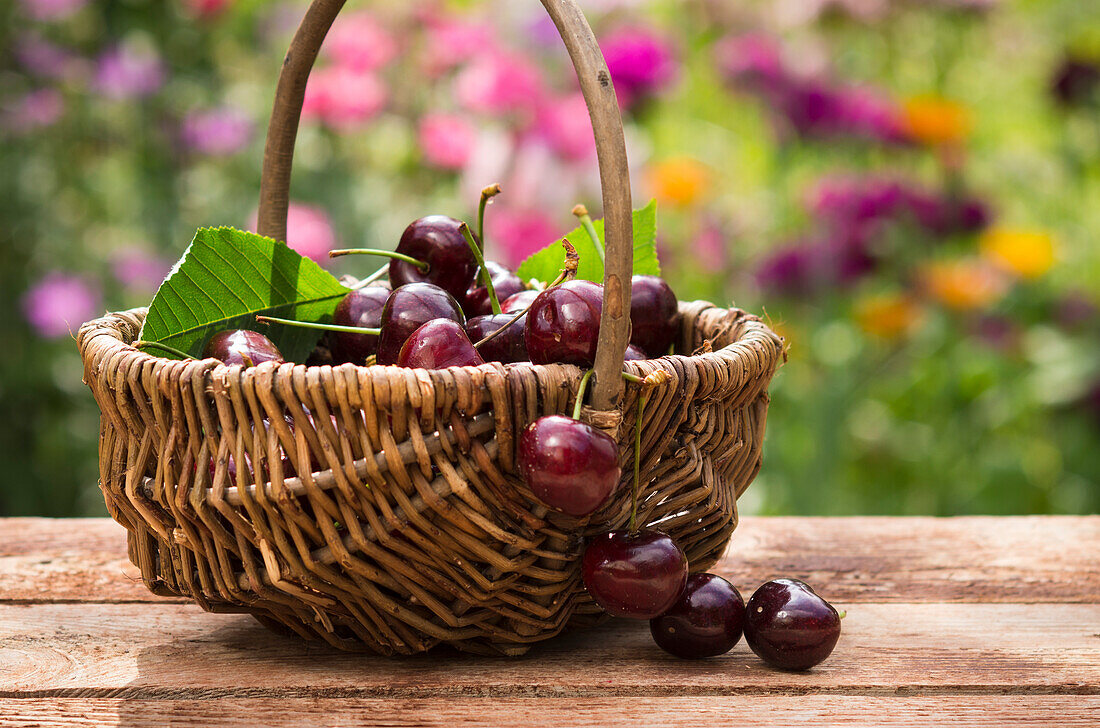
x=789 y=626
x=563 y=325
x=362 y=308
x=439 y=344
x=437 y=241
x=654 y=315
x=505 y=283
x=407 y=309
x=705 y=621
x=633 y=353
x=569 y=465
x=638 y=575
x=518 y=301
x=506 y=347
x=240 y=346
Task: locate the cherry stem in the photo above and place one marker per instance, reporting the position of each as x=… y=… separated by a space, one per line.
x=510 y=321
x=384 y=253
x=633 y=526
x=586 y=222
x=322 y=327
x=580 y=394
x=486 y=194
x=371 y=278
x=163 y=347
x=484 y=275
x=633 y=378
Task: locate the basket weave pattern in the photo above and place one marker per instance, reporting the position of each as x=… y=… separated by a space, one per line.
x=379 y=507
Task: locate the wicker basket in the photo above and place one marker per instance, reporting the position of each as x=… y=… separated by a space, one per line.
x=407 y=525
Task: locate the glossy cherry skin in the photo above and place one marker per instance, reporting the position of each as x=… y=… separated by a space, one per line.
x=505 y=283
x=705 y=621
x=362 y=308
x=506 y=347
x=435 y=240
x=633 y=353
x=789 y=626
x=654 y=315
x=439 y=344
x=518 y=301
x=240 y=346
x=563 y=325
x=638 y=575
x=407 y=309
x=569 y=465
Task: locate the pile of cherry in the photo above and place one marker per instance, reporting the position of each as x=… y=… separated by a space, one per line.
x=444 y=306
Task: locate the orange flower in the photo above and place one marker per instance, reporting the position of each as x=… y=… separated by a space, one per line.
x=681 y=181
x=888 y=316
x=936 y=121
x=1025 y=253
x=964 y=284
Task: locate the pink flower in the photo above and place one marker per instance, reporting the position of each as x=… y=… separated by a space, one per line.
x=35 y=110
x=358 y=42
x=127 y=72
x=59 y=303
x=498 y=83
x=566 y=126
x=447 y=140
x=753 y=59
x=514 y=234
x=640 y=61
x=343 y=98
x=138 y=269
x=206 y=9
x=450 y=42
x=222 y=131
x=42 y=58
x=52 y=9
x=308 y=230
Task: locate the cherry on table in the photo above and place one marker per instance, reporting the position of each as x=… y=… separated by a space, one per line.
x=569 y=465
x=705 y=621
x=563 y=325
x=439 y=344
x=437 y=241
x=654 y=315
x=363 y=308
x=407 y=309
x=638 y=575
x=506 y=347
x=505 y=283
x=789 y=626
x=241 y=346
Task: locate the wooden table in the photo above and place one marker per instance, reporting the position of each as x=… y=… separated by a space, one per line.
x=964 y=621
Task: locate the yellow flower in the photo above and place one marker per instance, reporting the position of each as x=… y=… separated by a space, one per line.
x=936 y=121
x=1025 y=253
x=964 y=284
x=888 y=316
x=681 y=181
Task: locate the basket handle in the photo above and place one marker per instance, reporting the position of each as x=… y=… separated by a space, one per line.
x=607 y=126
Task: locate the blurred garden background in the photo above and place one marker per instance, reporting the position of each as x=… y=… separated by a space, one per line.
x=909 y=191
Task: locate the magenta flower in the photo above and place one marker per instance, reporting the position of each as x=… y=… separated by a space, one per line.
x=206 y=9
x=565 y=125
x=357 y=41
x=450 y=42
x=342 y=98
x=35 y=110
x=47 y=10
x=843 y=201
x=447 y=140
x=641 y=63
x=753 y=60
x=139 y=270
x=514 y=234
x=222 y=131
x=56 y=305
x=500 y=82
x=39 y=57
x=309 y=231
x=128 y=72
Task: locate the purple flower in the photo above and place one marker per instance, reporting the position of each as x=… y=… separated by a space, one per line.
x=1076 y=81
x=35 y=110
x=753 y=60
x=1076 y=310
x=127 y=72
x=40 y=57
x=996 y=331
x=640 y=61
x=138 y=269
x=59 y=303
x=51 y=9
x=791 y=270
x=221 y=131
x=843 y=201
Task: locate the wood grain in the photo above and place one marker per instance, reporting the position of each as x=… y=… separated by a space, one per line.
x=897 y=712
x=981 y=560
x=173 y=651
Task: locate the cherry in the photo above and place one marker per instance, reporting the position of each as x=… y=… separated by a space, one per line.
x=508 y=346
x=439 y=344
x=633 y=353
x=654 y=315
x=569 y=465
x=789 y=626
x=363 y=308
x=437 y=241
x=705 y=621
x=505 y=282
x=563 y=325
x=241 y=346
x=407 y=309
x=637 y=574
x=518 y=301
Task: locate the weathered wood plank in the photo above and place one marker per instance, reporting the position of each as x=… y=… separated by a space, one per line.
x=76 y=650
x=897 y=712
x=976 y=559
